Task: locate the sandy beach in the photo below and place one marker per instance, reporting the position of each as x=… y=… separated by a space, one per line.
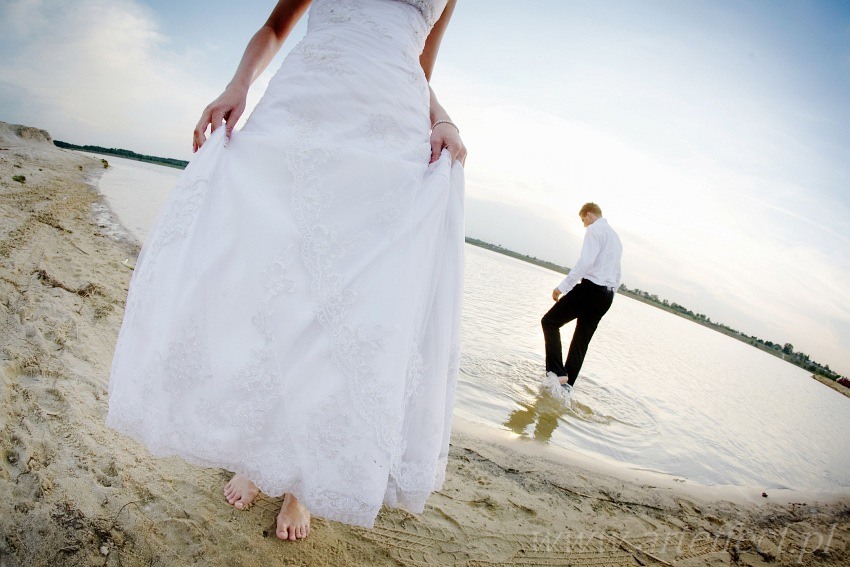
x=77 y=493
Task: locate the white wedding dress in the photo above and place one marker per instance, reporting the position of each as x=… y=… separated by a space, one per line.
x=294 y=313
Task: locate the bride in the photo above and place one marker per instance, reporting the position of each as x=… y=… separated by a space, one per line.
x=294 y=313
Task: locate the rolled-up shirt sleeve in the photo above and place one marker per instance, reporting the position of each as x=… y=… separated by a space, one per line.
x=589 y=251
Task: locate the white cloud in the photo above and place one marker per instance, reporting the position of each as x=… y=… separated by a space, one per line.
x=101 y=72
x=95 y=67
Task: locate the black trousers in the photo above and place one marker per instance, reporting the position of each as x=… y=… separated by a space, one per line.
x=587 y=303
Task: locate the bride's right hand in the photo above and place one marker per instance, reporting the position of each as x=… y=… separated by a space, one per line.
x=227 y=108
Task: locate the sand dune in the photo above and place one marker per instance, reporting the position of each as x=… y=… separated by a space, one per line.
x=77 y=493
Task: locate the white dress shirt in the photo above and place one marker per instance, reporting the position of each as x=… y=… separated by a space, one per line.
x=600 y=258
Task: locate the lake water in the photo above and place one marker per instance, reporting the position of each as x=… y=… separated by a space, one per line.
x=656 y=393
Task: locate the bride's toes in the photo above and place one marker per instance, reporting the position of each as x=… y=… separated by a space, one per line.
x=240 y=492
x=293 y=520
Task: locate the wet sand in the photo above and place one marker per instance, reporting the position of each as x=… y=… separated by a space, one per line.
x=77 y=493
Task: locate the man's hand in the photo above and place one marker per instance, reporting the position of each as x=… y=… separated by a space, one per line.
x=556 y=293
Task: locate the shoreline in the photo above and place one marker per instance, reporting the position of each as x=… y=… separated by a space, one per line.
x=81 y=494
x=678 y=485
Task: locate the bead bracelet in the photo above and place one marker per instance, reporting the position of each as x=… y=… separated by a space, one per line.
x=446 y=122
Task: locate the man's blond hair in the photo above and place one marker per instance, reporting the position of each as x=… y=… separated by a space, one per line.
x=590 y=208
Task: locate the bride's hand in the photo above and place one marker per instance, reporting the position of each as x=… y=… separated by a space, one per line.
x=227 y=108
x=446 y=135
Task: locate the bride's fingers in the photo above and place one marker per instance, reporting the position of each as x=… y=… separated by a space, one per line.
x=198 y=141
x=436 y=149
x=461 y=156
x=446 y=135
x=452 y=143
x=216 y=118
x=457 y=151
x=231 y=119
x=198 y=135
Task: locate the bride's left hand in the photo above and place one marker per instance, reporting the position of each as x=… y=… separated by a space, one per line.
x=445 y=135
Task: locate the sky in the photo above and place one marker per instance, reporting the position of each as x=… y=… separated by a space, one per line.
x=715 y=135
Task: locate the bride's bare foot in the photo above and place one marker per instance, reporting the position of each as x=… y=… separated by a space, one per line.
x=293 y=521
x=240 y=492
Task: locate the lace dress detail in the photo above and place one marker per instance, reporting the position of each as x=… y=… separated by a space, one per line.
x=294 y=314
x=322 y=57
x=430 y=9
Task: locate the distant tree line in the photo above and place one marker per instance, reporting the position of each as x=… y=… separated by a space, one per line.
x=782 y=350
x=179 y=163
x=530 y=259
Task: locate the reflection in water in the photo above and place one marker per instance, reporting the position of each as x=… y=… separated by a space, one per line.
x=545 y=411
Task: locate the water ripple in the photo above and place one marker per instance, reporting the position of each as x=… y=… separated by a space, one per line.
x=656 y=392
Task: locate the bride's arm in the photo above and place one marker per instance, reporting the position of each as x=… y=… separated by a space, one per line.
x=445 y=134
x=230 y=105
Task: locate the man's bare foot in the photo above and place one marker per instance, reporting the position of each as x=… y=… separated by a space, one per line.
x=240 y=492
x=293 y=521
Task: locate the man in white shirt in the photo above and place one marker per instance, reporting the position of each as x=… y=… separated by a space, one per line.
x=585 y=295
